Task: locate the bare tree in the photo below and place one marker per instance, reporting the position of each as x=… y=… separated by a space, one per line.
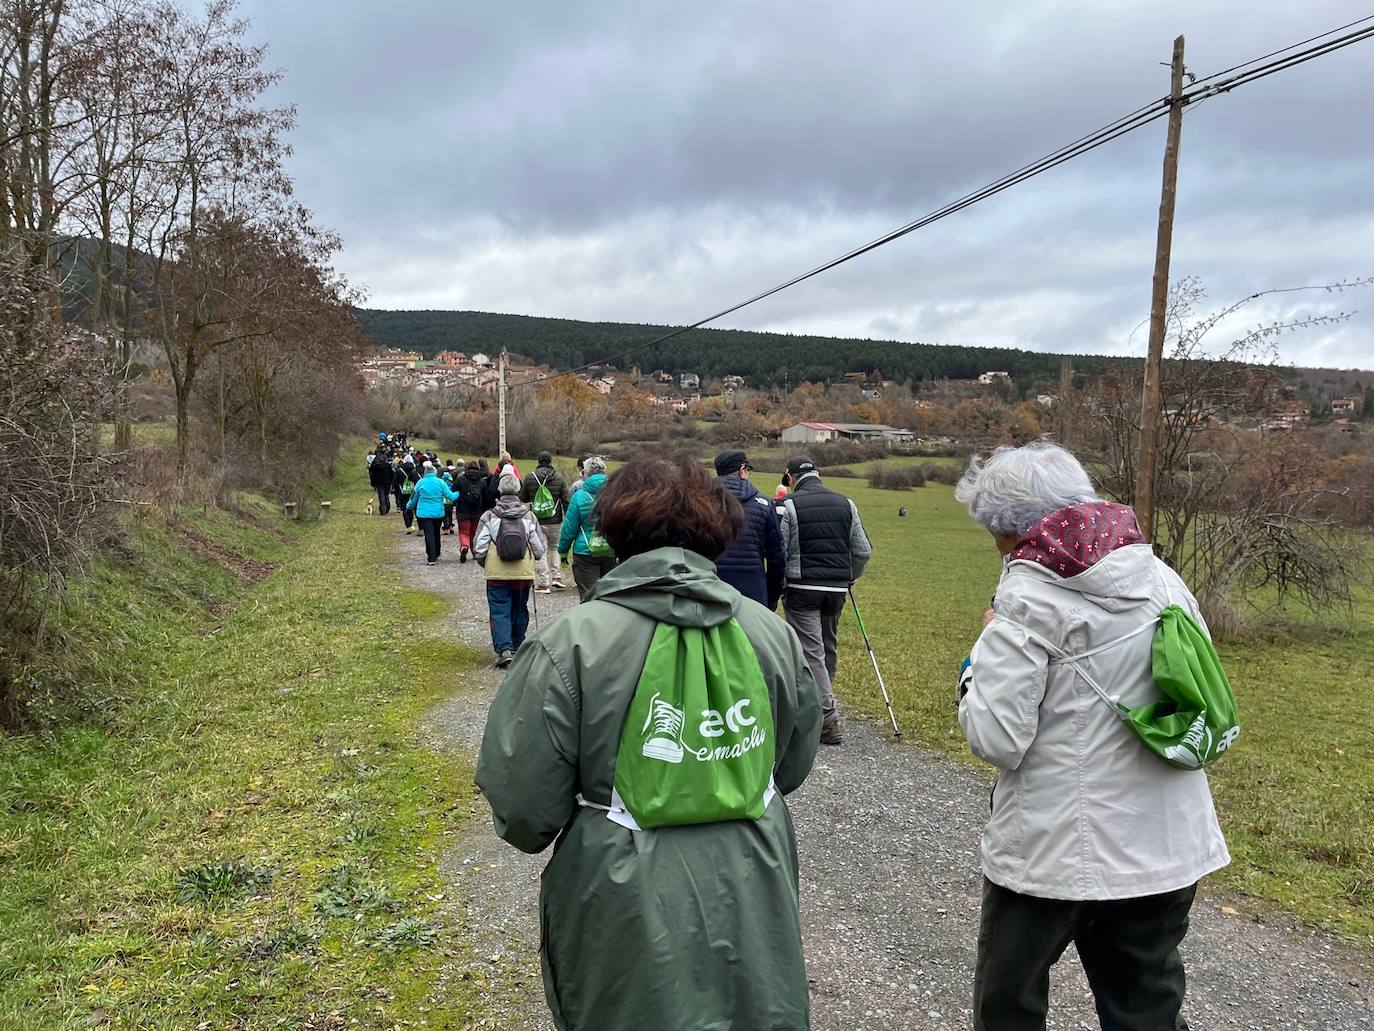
x=1233 y=537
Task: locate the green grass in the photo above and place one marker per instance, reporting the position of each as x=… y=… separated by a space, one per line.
x=164 y=432
x=246 y=832
x=1295 y=797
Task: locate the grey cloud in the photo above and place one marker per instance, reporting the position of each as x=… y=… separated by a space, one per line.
x=655 y=162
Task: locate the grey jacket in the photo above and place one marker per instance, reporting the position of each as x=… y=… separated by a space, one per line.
x=1083 y=810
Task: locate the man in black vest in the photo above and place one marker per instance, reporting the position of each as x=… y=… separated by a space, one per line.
x=827 y=550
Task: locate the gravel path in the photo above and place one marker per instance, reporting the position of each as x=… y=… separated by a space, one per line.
x=890 y=885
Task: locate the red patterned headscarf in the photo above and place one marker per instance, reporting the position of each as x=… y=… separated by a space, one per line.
x=1074 y=539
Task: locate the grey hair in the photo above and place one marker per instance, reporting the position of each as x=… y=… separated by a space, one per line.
x=593 y=465
x=1015 y=487
x=428 y=465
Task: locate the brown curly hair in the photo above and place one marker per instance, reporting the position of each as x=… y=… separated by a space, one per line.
x=667 y=503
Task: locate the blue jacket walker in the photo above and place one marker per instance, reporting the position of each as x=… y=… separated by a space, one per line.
x=427 y=500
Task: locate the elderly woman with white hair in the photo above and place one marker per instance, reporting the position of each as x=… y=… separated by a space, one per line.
x=1093 y=839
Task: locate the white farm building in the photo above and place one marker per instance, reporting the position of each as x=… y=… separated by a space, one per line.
x=820 y=432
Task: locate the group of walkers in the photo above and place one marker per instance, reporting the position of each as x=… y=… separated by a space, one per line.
x=655 y=730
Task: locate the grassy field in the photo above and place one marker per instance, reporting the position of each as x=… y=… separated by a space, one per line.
x=249 y=837
x=1296 y=798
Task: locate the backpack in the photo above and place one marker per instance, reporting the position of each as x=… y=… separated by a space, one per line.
x=544 y=505
x=596 y=543
x=469 y=490
x=698 y=742
x=512 y=538
x=1197 y=722
x=407 y=487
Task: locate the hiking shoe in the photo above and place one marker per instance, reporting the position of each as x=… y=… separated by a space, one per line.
x=430 y=561
x=462 y=556
x=541 y=589
x=504 y=659
x=559 y=585
x=831 y=734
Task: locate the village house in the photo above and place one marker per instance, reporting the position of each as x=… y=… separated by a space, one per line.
x=987 y=379
x=1345 y=405
x=820 y=432
x=690 y=381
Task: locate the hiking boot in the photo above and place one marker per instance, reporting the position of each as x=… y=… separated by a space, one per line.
x=504 y=659
x=831 y=733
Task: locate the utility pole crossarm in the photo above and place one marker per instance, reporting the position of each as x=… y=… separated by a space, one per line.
x=1152 y=400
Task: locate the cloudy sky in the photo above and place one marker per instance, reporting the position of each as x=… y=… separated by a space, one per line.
x=656 y=162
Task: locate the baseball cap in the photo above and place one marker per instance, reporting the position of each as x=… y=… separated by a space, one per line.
x=730 y=462
x=800 y=466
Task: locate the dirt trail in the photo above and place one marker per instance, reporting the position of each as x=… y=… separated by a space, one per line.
x=890 y=882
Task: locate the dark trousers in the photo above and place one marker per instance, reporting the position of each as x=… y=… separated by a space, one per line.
x=448 y=518
x=408 y=514
x=588 y=569
x=430 y=528
x=383 y=500
x=815 y=616
x=508 y=608
x=1129 y=950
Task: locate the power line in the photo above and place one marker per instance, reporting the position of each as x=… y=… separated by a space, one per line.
x=1197 y=92
x=1282 y=50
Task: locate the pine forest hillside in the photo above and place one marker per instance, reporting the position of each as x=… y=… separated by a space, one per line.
x=763 y=359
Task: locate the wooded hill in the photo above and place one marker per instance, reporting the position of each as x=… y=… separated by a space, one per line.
x=764 y=359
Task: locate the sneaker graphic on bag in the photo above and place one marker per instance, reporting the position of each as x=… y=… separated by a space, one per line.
x=665 y=742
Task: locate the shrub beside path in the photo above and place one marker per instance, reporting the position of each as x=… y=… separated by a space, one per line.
x=890 y=885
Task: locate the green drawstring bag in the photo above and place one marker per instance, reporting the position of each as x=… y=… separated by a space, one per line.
x=698 y=741
x=1196 y=722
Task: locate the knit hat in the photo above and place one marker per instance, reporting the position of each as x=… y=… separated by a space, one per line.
x=509 y=484
x=593 y=465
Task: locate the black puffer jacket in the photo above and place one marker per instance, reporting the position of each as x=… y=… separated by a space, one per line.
x=379 y=473
x=826 y=544
x=755 y=564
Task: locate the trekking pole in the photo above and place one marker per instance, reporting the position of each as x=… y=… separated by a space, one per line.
x=869 y=645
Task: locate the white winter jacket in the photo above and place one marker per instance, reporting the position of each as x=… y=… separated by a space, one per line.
x=1083 y=810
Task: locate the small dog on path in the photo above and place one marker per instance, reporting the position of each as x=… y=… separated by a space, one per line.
x=369 y=506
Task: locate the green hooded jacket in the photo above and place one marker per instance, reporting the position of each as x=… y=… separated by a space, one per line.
x=690 y=927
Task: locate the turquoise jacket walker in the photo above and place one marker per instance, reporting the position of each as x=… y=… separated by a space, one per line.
x=579 y=524
x=427 y=500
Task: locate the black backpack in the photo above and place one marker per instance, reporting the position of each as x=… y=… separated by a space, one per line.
x=469 y=490
x=512 y=538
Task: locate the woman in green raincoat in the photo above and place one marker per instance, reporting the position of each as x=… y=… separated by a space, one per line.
x=600 y=730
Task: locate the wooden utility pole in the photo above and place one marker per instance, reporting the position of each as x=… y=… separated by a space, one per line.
x=1062 y=401
x=501 y=403
x=1151 y=403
